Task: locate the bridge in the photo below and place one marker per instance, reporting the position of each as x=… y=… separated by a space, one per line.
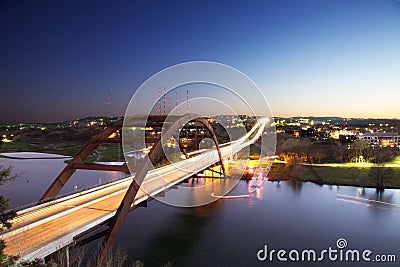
x=49 y=226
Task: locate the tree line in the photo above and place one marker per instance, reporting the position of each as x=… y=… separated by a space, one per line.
x=305 y=150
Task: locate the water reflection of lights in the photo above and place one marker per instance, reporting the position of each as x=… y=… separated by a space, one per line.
x=251 y=170
x=256 y=181
x=365 y=201
x=254 y=194
x=360 y=191
x=257 y=191
x=254 y=188
x=356 y=202
x=227 y=197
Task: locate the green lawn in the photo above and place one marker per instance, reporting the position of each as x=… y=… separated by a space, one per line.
x=340 y=174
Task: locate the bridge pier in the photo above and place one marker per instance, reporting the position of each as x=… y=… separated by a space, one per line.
x=67 y=256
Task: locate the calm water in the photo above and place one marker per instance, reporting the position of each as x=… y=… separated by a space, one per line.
x=230 y=232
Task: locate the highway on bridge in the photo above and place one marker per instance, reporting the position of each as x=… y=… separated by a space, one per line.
x=43 y=229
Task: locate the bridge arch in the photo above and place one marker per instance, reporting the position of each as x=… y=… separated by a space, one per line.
x=78 y=161
x=103 y=137
x=125 y=206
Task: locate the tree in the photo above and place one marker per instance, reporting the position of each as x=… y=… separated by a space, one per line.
x=379 y=173
x=383 y=154
x=359 y=148
x=295 y=149
x=5 y=214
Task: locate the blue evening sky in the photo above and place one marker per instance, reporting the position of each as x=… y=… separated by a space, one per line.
x=59 y=59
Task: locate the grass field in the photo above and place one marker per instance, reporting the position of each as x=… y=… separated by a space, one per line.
x=337 y=174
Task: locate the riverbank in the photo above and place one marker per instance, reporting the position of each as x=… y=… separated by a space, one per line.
x=334 y=174
x=32 y=155
x=349 y=174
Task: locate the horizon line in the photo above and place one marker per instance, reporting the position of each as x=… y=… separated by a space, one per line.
x=274 y=116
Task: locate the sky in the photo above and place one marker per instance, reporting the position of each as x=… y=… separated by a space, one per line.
x=61 y=60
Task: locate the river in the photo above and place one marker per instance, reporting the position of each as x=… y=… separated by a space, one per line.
x=230 y=232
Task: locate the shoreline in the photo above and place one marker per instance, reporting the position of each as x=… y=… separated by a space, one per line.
x=32 y=155
x=339 y=174
x=325 y=183
x=330 y=175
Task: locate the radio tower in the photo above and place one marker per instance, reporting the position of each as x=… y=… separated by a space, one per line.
x=159 y=101
x=169 y=104
x=109 y=104
x=187 y=101
x=176 y=103
x=165 y=101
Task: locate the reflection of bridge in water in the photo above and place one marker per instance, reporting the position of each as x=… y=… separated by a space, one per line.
x=49 y=226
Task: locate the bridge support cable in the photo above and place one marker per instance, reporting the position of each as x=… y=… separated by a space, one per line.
x=118 y=219
x=205 y=122
x=78 y=161
x=217 y=172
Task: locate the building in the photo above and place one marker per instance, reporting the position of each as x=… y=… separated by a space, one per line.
x=346 y=138
x=388 y=139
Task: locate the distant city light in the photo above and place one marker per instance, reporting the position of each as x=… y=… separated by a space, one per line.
x=5 y=140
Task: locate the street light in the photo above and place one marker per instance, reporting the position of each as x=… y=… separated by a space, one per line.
x=5 y=140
